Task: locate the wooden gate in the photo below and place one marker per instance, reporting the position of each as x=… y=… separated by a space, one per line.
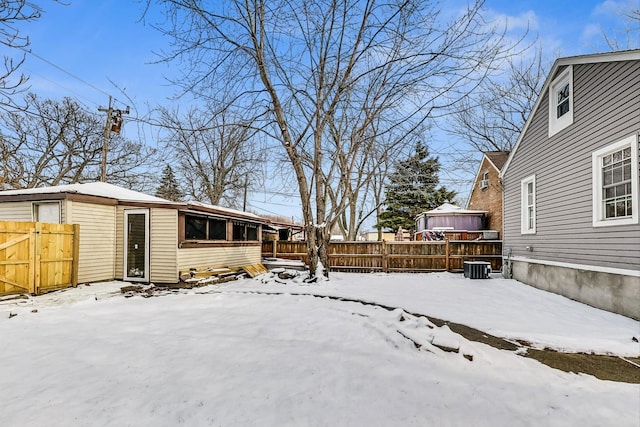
x=38 y=257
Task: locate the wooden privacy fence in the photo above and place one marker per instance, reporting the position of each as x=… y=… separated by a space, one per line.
x=38 y=257
x=447 y=255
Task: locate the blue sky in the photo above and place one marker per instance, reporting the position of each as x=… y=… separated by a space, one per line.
x=101 y=42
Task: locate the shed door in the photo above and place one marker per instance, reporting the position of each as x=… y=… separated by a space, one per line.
x=136 y=245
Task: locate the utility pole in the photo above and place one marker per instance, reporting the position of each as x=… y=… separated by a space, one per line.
x=114 y=123
x=246 y=184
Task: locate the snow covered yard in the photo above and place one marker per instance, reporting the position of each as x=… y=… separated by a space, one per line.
x=256 y=352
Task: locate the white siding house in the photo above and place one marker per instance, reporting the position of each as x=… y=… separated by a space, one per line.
x=132 y=236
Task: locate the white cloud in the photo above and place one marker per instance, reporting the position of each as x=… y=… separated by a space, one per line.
x=612 y=7
x=526 y=20
x=591 y=31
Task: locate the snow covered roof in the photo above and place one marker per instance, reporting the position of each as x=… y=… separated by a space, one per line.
x=99 y=189
x=449 y=209
x=220 y=209
x=110 y=191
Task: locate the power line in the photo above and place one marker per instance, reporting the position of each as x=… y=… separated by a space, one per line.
x=31 y=52
x=70 y=74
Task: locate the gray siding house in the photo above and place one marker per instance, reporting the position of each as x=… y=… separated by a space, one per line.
x=571 y=198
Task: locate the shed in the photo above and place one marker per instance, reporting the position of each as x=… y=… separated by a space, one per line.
x=137 y=237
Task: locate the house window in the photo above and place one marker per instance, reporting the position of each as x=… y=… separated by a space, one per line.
x=615 y=183
x=528 y=205
x=561 y=101
x=484 y=182
x=47 y=212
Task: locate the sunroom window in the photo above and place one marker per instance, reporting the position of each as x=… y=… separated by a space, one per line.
x=195 y=228
x=202 y=228
x=245 y=231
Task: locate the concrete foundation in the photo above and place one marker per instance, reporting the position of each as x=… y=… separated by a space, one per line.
x=617 y=293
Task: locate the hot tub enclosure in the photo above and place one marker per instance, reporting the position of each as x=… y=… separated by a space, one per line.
x=450 y=217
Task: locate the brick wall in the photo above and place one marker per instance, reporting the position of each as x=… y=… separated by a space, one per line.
x=488 y=199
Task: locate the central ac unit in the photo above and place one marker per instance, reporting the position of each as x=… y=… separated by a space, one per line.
x=484 y=183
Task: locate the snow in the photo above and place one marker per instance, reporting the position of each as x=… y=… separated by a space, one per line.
x=197 y=204
x=449 y=209
x=256 y=352
x=100 y=189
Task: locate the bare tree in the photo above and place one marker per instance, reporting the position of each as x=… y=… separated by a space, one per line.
x=57 y=142
x=491 y=118
x=13 y=12
x=627 y=37
x=213 y=156
x=305 y=62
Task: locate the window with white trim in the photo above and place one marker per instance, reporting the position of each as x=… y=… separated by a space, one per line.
x=615 y=183
x=528 y=205
x=561 y=101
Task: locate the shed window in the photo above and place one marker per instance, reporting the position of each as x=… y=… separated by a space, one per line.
x=615 y=183
x=47 y=212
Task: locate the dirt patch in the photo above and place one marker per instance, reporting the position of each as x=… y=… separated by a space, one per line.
x=475 y=335
x=604 y=367
x=610 y=368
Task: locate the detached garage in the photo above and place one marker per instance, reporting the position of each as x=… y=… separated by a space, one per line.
x=136 y=237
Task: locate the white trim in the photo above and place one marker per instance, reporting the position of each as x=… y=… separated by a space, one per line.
x=147 y=251
x=556 y=124
x=596 y=268
x=596 y=174
x=630 y=55
x=524 y=205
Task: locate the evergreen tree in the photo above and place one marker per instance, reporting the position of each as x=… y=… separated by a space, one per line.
x=412 y=189
x=168 y=188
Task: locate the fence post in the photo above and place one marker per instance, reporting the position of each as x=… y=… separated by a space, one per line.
x=274 y=248
x=31 y=287
x=76 y=255
x=385 y=259
x=36 y=258
x=446 y=254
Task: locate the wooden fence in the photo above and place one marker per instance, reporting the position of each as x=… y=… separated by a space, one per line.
x=38 y=257
x=447 y=255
